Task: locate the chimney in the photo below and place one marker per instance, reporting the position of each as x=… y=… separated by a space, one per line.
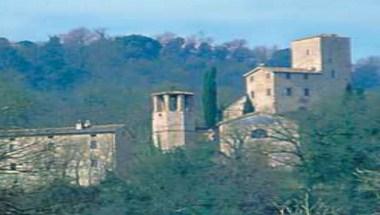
x=79 y=125
x=87 y=124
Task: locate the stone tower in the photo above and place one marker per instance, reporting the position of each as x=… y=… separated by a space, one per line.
x=173 y=122
x=326 y=53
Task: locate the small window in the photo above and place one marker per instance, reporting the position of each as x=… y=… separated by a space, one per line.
x=333 y=74
x=188 y=103
x=259 y=133
x=268 y=75
x=302 y=108
x=307 y=52
x=306 y=92
x=93 y=135
x=11 y=147
x=160 y=103
x=288 y=75
x=173 y=103
x=13 y=166
x=252 y=94
x=252 y=79
x=269 y=92
x=50 y=136
x=93 y=144
x=305 y=76
x=12 y=139
x=288 y=91
x=50 y=146
x=94 y=163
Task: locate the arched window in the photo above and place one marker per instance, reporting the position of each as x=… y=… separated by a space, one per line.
x=259 y=133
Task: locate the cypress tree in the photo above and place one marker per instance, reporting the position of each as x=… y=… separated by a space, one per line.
x=248 y=106
x=209 y=98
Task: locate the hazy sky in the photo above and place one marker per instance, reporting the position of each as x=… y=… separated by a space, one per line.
x=261 y=22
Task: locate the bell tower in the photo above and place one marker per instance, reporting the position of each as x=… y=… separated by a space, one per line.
x=173 y=122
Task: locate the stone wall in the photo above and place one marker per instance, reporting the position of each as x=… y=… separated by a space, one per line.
x=82 y=158
x=260 y=89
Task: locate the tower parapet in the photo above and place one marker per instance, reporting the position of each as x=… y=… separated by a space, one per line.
x=173 y=122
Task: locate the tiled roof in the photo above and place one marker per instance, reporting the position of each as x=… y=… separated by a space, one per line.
x=283 y=69
x=319 y=36
x=250 y=119
x=174 y=92
x=94 y=129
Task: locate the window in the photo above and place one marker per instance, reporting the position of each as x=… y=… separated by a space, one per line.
x=302 y=108
x=93 y=144
x=50 y=146
x=252 y=79
x=288 y=76
x=269 y=92
x=11 y=147
x=94 y=163
x=252 y=94
x=13 y=166
x=288 y=91
x=188 y=103
x=93 y=135
x=259 y=133
x=173 y=103
x=159 y=103
x=305 y=76
x=333 y=74
x=50 y=137
x=12 y=139
x=307 y=52
x=268 y=75
x=306 y=92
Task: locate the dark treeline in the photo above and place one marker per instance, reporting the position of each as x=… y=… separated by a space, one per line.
x=89 y=74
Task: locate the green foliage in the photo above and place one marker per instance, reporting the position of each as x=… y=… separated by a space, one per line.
x=336 y=142
x=209 y=98
x=248 y=106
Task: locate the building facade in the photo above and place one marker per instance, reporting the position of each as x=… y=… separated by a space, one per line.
x=321 y=66
x=173 y=120
x=81 y=154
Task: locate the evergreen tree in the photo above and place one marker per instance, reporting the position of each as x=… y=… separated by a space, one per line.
x=248 y=106
x=209 y=98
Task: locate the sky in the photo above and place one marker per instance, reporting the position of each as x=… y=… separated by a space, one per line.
x=260 y=22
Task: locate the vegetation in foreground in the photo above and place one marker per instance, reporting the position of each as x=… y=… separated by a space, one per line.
x=108 y=79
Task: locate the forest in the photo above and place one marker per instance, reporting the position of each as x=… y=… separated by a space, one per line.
x=88 y=74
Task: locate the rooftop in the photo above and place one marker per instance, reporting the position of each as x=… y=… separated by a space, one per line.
x=283 y=70
x=173 y=92
x=94 y=129
x=320 y=36
x=250 y=119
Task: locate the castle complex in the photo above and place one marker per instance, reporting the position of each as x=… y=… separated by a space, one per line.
x=321 y=67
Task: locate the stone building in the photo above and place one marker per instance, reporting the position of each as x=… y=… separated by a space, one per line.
x=173 y=120
x=321 y=67
x=82 y=154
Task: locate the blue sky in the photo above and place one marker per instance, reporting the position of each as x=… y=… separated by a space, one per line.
x=261 y=22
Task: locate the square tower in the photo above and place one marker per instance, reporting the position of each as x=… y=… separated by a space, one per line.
x=329 y=54
x=173 y=122
x=321 y=53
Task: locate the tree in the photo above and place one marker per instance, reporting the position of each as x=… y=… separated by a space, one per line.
x=209 y=98
x=248 y=106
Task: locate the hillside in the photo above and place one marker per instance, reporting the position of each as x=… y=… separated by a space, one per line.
x=87 y=74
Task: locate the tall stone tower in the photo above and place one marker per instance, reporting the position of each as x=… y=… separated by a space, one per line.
x=173 y=122
x=326 y=53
